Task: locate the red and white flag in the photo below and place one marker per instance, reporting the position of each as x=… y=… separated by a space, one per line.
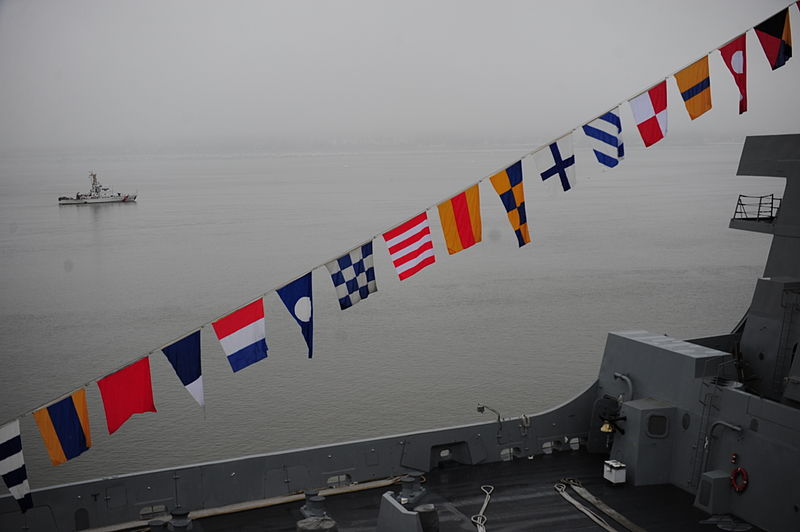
x=410 y=246
x=650 y=112
x=735 y=56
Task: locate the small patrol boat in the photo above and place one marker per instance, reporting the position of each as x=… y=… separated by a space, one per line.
x=97 y=194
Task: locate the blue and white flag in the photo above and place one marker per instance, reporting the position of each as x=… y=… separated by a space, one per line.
x=184 y=355
x=353 y=275
x=12 y=465
x=557 y=159
x=297 y=298
x=605 y=133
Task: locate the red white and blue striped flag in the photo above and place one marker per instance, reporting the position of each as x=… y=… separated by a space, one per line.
x=410 y=246
x=243 y=335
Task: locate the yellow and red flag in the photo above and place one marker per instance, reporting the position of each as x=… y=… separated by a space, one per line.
x=461 y=220
x=695 y=86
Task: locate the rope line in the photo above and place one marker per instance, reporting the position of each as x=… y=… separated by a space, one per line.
x=561 y=489
x=600 y=505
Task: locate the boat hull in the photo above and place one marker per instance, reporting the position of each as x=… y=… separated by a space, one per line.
x=125 y=198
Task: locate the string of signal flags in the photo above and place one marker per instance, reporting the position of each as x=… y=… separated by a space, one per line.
x=64 y=422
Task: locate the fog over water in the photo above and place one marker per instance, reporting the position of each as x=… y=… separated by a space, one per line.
x=201 y=76
x=267 y=138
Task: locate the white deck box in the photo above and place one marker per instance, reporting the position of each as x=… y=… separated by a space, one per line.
x=614 y=471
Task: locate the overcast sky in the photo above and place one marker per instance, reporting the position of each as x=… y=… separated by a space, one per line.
x=140 y=75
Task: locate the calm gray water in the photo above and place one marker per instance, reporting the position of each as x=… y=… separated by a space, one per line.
x=85 y=289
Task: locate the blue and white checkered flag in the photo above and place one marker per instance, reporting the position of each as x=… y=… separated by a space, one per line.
x=353 y=275
x=605 y=134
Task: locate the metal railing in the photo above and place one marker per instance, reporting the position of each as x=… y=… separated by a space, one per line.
x=758 y=208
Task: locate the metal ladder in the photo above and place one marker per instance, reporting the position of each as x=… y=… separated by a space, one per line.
x=709 y=393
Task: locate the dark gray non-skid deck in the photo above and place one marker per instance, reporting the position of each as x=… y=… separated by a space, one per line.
x=523 y=500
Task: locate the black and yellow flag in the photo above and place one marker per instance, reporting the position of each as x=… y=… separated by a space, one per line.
x=775 y=35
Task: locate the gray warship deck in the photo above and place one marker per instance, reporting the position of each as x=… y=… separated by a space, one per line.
x=523 y=499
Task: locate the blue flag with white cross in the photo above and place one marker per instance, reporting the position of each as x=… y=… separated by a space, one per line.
x=605 y=135
x=353 y=275
x=557 y=159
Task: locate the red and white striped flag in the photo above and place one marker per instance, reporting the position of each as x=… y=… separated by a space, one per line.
x=410 y=246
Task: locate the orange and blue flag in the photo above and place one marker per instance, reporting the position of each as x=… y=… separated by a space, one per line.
x=64 y=427
x=508 y=185
x=461 y=220
x=695 y=86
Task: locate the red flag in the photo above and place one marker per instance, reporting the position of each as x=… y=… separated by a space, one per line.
x=128 y=391
x=735 y=56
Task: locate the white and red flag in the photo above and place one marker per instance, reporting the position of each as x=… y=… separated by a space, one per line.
x=650 y=112
x=735 y=56
x=410 y=246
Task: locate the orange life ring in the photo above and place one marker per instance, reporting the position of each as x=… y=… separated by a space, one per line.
x=739 y=479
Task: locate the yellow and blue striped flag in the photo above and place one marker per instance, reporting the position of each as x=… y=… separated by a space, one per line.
x=64 y=426
x=695 y=86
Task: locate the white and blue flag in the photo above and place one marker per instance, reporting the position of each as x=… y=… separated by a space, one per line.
x=12 y=465
x=605 y=134
x=184 y=355
x=297 y=298
x=353 y=275
x=557 y=159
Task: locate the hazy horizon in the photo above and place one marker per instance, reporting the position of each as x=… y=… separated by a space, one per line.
x=146 y=77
